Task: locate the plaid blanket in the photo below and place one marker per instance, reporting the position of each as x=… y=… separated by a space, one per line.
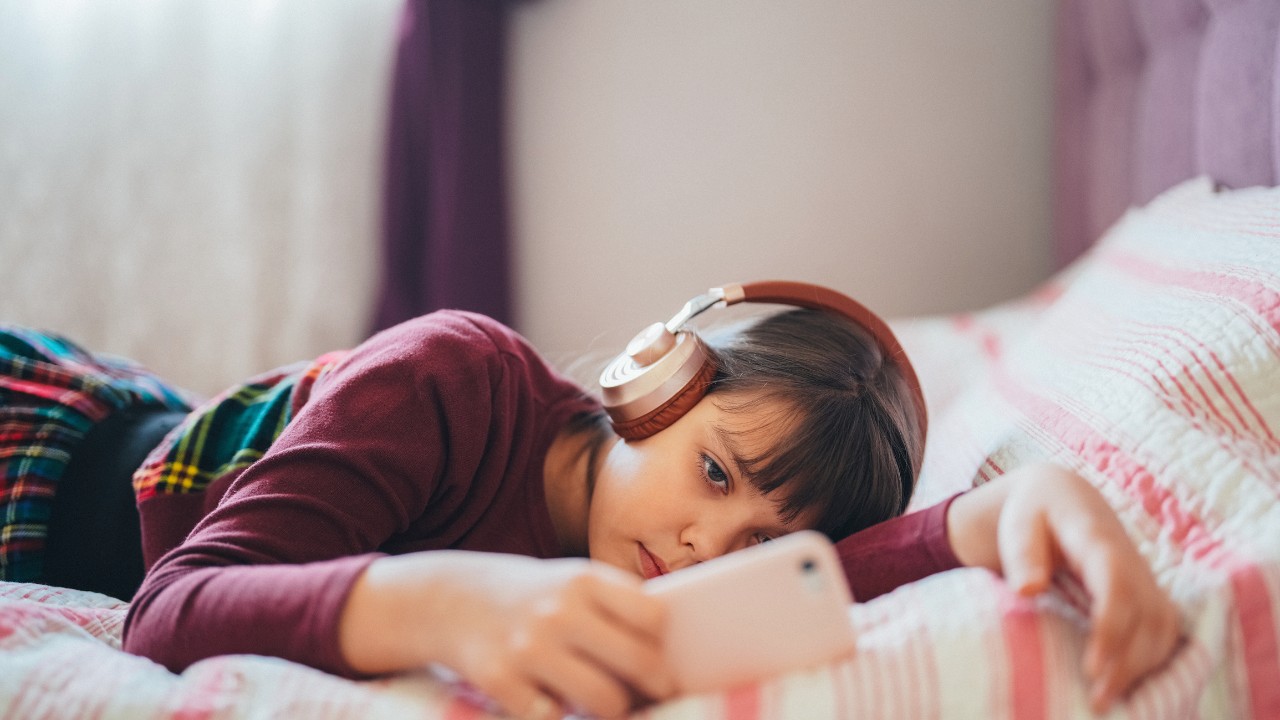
x=230 y=431
x=52 y=392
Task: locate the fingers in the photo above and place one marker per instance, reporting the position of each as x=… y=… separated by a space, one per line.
x=518 y=697
x=1026 y=551
x=584 y=685
x=1135 y=630
x=1113 y=676
x=621 y=598
x=534 y=681
x=542 y=707
x=1105 y=651
x=1133 y=624
x=625 y=636
x=1106 y=636
x=593 y=644
x=631 y=652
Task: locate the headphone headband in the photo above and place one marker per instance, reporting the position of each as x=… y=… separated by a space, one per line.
x=816 y=297
x=665 y=371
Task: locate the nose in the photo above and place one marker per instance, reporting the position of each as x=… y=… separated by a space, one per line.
x=709 y=538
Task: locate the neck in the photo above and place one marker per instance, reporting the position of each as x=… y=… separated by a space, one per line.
x=568 y=474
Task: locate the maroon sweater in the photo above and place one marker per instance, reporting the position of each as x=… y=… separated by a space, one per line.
x=429 y=435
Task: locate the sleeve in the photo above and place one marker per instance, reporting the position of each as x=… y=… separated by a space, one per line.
x=268 y=571
x=898 y=551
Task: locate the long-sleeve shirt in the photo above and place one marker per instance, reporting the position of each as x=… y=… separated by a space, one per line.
x=430 y=435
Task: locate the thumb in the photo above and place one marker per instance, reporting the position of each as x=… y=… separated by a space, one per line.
x=1026 y=551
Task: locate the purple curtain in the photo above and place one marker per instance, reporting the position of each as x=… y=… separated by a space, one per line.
x=444 y=215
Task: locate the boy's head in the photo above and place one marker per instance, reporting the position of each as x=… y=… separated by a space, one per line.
x=847 y=445
x=805 y=425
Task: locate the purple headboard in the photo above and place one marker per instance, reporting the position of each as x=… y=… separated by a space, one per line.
x=1151 y=92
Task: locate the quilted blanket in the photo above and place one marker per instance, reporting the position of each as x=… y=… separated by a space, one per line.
x=1151 y=367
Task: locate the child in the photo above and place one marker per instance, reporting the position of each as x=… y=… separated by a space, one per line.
x=429 y=497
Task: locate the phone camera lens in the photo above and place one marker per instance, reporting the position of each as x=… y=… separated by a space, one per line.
x=808 y=566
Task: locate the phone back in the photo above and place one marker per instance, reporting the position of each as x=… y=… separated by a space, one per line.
x=756 y=613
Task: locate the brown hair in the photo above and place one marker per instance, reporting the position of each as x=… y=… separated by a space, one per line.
x=850 y=448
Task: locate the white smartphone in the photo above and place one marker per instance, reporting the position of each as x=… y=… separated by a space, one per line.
x=756 y=613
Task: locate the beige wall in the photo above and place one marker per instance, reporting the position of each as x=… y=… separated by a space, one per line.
x=895 y=150
x=199 y=180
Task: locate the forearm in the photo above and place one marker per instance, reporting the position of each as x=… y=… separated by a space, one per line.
x=408 y=611
x=185 y=614
x=414 y=596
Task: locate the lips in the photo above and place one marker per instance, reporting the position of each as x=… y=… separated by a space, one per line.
x=651 y=566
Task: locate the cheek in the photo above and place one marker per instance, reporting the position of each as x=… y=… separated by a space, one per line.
x=624 y=468
x=631 y=490
x=612 y=493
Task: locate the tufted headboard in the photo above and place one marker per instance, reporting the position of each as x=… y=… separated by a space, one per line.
x=1152 y=92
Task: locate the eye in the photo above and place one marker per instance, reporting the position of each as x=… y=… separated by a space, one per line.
x=712 y=473
x=762 y=539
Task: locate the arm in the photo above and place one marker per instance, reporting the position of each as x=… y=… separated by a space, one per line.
x=269 y=566
x=1039 y=519
x=288 y=563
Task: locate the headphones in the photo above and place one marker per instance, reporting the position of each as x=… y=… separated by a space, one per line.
x=666 y=370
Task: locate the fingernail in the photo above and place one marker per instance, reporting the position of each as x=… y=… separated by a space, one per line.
x=1018 y=582
x=542 y=708
x=1040 y=581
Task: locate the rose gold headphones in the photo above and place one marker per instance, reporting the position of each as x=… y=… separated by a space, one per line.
x=666 y=370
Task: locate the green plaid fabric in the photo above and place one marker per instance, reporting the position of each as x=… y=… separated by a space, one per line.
x=52 y=392
x=229 y=432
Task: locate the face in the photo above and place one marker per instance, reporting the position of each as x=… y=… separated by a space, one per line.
x=678 y=497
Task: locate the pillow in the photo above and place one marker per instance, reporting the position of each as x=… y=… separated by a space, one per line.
x=1164 y=339
x=1151 y=367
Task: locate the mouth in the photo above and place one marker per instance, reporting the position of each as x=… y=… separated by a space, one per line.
x=651 y=566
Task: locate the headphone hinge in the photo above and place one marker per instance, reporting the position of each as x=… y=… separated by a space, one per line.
x=695 y=307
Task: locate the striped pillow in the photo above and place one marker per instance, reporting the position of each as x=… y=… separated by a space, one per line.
x=1153 y=368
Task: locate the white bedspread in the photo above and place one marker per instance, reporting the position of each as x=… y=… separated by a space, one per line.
x=1151 y=367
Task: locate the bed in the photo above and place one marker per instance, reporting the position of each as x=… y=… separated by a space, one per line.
x=1150 y=364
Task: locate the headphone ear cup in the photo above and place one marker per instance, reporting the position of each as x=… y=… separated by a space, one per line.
x=666 y=414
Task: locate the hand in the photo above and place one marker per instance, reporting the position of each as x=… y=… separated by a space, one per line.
x=1049 y=518
x=537 y=636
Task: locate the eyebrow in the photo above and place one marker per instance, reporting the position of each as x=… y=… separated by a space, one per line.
x=735 y=453
x=726 y=438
